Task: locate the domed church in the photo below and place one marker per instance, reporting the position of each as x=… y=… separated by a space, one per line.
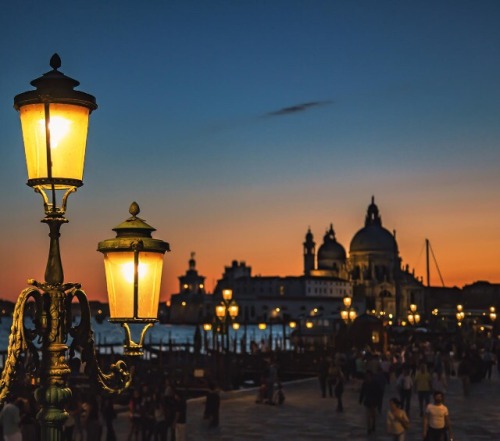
x=373 y=267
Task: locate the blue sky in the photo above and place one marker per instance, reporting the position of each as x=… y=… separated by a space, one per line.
x=406 y=106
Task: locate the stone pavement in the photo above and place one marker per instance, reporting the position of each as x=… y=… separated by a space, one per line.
x=307 y=416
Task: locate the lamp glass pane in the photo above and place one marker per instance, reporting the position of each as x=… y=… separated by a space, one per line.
x=150 y=269
x=119 y=267
x=68 y=132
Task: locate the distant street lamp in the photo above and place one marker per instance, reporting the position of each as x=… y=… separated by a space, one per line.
x=54 y=120
x=413 y=315
x=226 y=312
x=460 y=314
x=493 y=314
x=348 y=315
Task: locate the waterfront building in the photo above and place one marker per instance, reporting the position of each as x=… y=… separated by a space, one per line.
x=372 y=274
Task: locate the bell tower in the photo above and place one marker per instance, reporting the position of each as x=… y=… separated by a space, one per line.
x=309 y=253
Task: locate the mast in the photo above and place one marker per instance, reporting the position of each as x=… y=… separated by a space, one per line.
x=427 y=262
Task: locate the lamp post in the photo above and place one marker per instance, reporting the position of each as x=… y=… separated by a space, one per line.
x=413 y=315
x=226 y=311
x=54 y=120
x=460 y=315
x=493 y=314
x=348 y=314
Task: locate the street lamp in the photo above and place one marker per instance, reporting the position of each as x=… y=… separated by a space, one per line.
x=460 y=314
x=54 y=120
x=413 y=315
x=348 y=314
x=226 y=311
x=493 y=314
x=133 y=263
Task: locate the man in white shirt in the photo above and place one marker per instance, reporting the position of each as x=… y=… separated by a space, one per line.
x=436 y=420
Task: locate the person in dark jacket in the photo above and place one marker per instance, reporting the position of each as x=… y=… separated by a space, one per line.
x=370 y=396
x=212 y=405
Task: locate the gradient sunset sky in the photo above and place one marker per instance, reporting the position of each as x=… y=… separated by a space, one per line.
x=236 y=125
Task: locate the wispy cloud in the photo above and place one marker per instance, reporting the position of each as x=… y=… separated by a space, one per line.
x=297 y=108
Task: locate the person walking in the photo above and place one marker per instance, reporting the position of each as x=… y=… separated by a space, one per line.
x=180 y=417
x=212 y=405
x=397 y=420
x=423 y=385
x=436 y=422
x=405 y=386
x=369 y=396
x=338 y=381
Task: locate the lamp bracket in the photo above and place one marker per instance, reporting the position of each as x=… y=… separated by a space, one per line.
x=130 y=347
x=20 y=341
x=51 y=208
x=119 y=378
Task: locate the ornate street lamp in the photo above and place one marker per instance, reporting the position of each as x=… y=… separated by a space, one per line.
x=54 y=120
x=133 y=264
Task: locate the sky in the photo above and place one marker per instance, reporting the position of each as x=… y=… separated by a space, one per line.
x=236 y=125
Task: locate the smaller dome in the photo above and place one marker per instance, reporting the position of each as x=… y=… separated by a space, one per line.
x=330 y=250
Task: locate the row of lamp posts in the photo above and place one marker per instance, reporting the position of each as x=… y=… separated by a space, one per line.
x=54 y=120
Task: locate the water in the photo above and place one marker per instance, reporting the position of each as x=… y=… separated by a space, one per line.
x=159 y=335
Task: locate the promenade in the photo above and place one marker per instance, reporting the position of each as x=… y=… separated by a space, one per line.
x=307 y=416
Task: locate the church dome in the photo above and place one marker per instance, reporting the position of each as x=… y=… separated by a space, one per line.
x=331 y=249
x=373 y=237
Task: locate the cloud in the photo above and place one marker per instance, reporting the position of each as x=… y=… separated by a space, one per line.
x=297 y=108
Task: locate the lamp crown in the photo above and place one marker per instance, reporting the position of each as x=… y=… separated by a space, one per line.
x=54 y=86
x=133 y=232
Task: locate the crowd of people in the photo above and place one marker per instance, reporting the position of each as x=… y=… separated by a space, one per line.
x=420 y=370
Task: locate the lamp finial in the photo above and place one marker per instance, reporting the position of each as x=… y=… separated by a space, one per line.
x=55 y=62
x=134 y=209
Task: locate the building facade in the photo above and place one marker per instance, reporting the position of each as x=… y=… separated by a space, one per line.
x=372 y=274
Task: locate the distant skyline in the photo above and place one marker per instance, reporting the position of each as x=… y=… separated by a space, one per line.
x=238 y=125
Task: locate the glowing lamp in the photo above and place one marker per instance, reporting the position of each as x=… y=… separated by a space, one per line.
x=207 y=326
x=352 y=315
x=262 y=326
x=236 y=326
x=416 y=316
x=220 y=311
x=309 y=325
x=292 y=325
x=413 y=307
x=411 y=319
x=233 y=310
x=460 y=308
x=227 y=294
x=133 y=263
x=347 y=301
x=344 y=315
x=54 y=120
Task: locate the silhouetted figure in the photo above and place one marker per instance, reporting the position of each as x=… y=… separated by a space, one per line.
x=370 y=396
x=212 y=406
x=109 y=415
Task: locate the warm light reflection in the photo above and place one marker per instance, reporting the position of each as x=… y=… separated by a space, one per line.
x=128 y=271
x=59 y=128
x=220 y=311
